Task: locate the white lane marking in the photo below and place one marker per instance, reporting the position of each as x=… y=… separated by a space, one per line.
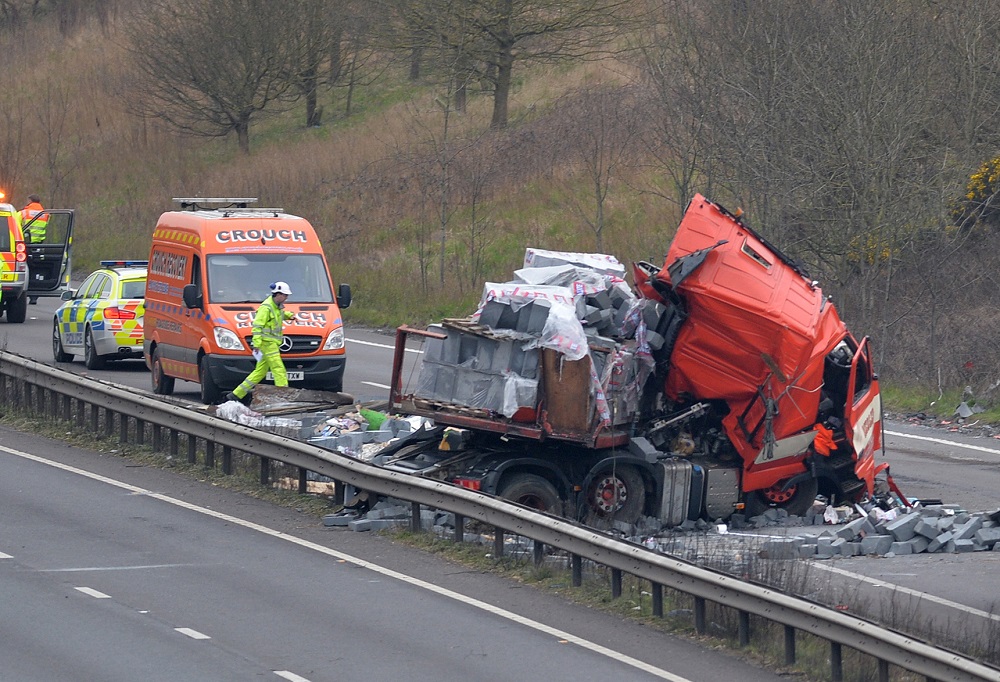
x=923 y=596
x=193 y=634
x=372 y=383
x=383 y=345
x=93 y=593
x=942 y=441
x=291 y=677
x=5 y=556
x=84 y=569
x=416 y=582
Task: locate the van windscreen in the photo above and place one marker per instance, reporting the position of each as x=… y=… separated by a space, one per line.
x=246 y=278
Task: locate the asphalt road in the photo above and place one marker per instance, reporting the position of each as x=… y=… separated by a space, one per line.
x=111 y=572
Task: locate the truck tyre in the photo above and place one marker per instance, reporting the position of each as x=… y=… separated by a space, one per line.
x=90 y=356
x=210 y=391
x=797 y=500
x=58 y=352
x=162 y=384
x=17 y=309
x=531 y=490
x=615 y=494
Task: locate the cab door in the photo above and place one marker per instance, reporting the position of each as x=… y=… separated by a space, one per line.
x=50 y=261
x=863 y=413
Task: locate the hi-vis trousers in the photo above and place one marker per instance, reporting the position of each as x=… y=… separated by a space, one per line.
x=269 y=362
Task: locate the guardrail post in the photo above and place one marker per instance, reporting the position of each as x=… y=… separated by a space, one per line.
x=67 y=406
x=836 y=662
x=616 y=583
x=303 y=481
x=109 y=422
x=699 y=616
x=123 y=421
x=658 y=600
x=744 y=628
x=538 y=552
x=576 y=564
x=497 y=542
x=883 y=670
x=227 y=460
x=415 y=525
x=174 y=444
x=157 y=438
x=140 y=432
x=95 y=418
x=192 y=448
x=80 y=410
x=209 y=454
x=265 y=471
x=459 y=528
x=789 y=645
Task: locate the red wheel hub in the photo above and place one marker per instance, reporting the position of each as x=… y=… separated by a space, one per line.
x=778 y=494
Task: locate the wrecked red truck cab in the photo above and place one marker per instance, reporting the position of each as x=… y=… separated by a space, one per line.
x=759 y=336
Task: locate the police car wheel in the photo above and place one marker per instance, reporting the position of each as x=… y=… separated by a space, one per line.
x=58 y=352
x=90 y=356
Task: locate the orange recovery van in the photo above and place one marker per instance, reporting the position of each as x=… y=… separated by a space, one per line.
x=210 y=267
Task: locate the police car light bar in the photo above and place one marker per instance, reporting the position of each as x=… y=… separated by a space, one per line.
x=125 y=263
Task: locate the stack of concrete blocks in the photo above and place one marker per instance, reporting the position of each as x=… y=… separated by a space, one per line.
x=480 y=371
x=932 y=529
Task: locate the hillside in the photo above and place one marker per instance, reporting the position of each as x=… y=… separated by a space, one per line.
x=874 y=171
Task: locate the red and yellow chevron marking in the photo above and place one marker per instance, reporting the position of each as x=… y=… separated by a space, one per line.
x=179 y=236
x=184 y=370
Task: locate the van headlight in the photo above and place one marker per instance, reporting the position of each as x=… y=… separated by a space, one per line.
x=335 y=341
x=227 y=339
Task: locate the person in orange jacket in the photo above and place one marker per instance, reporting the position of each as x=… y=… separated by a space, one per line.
x=34 y=210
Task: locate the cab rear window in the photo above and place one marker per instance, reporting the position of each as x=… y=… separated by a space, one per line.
x=134 y=289
x=5 y=231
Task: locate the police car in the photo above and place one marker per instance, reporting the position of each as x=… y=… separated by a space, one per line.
x=102 y=320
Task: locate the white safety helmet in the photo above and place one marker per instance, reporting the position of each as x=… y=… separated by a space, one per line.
x=281 y=288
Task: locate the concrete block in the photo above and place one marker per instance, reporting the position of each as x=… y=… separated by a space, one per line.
x=388 y=513
x=876 y=544
x=387 y=524
x=501 y=356
x=468 y=350
x=600 y=299
x=852 y=529
x=968 y=529
x=902 y=528
x=444 y=387
x=360 y=525
x=433 y=348
x=452 y=347
x=901 y=548
x=807 y=550
x=918 y=544
x=339 y=519
x=850 y=549
x=782 y=548
x=962 y=546
x=484 y=353
x=988 y=536
x=927 y=528
x=939 y=542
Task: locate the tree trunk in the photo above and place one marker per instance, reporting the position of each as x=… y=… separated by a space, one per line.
x=243 y=136
x=505 y=66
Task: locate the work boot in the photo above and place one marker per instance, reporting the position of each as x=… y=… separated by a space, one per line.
x=232 y=396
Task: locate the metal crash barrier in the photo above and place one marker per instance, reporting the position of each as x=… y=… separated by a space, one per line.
x=99 y=406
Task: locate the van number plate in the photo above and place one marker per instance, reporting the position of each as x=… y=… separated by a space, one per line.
x=292 y=376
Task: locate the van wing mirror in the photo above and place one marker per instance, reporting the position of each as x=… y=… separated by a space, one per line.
x=344 y=296
x=192 y=299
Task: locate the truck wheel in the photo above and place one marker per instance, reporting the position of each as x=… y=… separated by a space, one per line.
x=17 y=309
x=90 y=356
x=531 y=490
x=616 y=494
x=796 y=500
x=162 y=384
x=210 y=391
x=58 y=352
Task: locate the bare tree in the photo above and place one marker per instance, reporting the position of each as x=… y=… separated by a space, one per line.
x=598 y=126
x=497 y=34
x=211 y=67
